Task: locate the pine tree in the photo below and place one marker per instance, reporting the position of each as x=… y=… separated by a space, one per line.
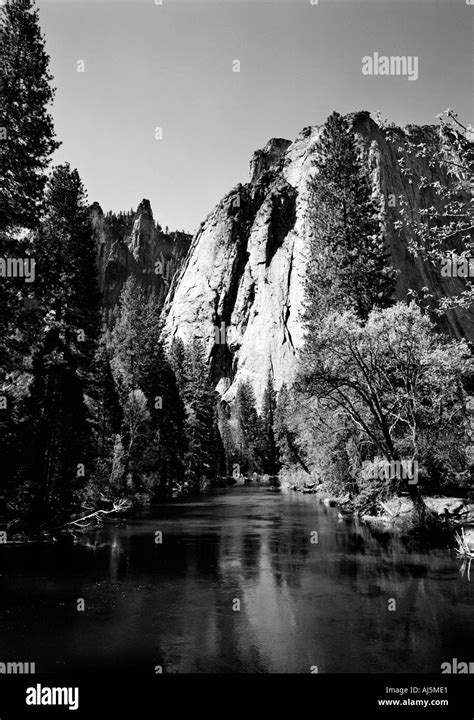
x=347 y=266
x=26 y=146
x=67 y=285
x=164 y=401
x=26 y=127
x=56 y=435
x=153 y=432
x=248 y=425
x=107 y=413
x=268 y=448
x=204 y=447
x=56 y=439
x=225 y=433
x=177 y=357
x=125 y=349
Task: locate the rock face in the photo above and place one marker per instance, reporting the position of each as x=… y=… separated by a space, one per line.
x=263 y=160
x=245 y=269
x=133 y=244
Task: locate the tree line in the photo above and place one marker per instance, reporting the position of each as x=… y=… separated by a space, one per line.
x=90 y=412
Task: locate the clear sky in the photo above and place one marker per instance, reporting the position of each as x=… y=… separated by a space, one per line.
x=171 y=66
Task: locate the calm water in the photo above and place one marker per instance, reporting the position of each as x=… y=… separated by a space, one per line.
x=172 y=604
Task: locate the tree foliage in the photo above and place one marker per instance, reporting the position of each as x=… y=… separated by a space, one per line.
x=153 y=412
x=29 y=139
x=394 y=380
x=442 y=227
x=200 y=400
x=268 y=447
x=347 y=265
x=55 y=432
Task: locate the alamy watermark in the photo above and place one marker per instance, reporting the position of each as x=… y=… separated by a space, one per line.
x=17 y=668
x=220 y=334
x=18 y=267
x=382 y=469
x=457 y=667
x=394 y=65
x=40 y=695
x=457 y=267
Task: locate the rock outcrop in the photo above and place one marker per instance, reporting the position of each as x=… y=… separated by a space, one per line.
x=245 y=270
x=133 y=244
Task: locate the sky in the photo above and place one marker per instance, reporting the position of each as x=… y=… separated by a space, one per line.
x=171 y=66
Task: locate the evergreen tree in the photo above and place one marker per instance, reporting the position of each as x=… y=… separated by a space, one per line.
x=27 y=140
x=56 y=434
x=248 y=424
x=67 y=285
x=106 y=415
x=26 y=145
x=204 y=446
x=225 y=433
x=268 y=448
x=164 y=402
x=124 y=348
x=177 y=357
x=56 y=440
x=347 y=265
x=153 y=432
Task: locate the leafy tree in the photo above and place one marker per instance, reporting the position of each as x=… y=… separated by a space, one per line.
x=442 y=227
x=394 y=379
x=290 y=452
x=347 y=265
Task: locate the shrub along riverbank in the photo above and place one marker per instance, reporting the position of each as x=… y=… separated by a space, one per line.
x=443 y=519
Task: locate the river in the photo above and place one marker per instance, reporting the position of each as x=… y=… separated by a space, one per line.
x=243 y=580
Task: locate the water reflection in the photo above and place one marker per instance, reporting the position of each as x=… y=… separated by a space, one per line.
x=235 y=586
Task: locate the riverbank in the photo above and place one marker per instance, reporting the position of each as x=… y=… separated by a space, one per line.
x=448 y=515
x=34 y=527
x=445 y=515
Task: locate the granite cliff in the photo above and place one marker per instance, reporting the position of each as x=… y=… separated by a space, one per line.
x=245 y=269
x=134 y=244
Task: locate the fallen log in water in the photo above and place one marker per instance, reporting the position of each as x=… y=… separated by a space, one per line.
x=118 y=506
x=34 y=527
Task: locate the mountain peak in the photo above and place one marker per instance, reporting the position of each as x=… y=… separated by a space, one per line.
x=269 y=156
x=144 y=208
